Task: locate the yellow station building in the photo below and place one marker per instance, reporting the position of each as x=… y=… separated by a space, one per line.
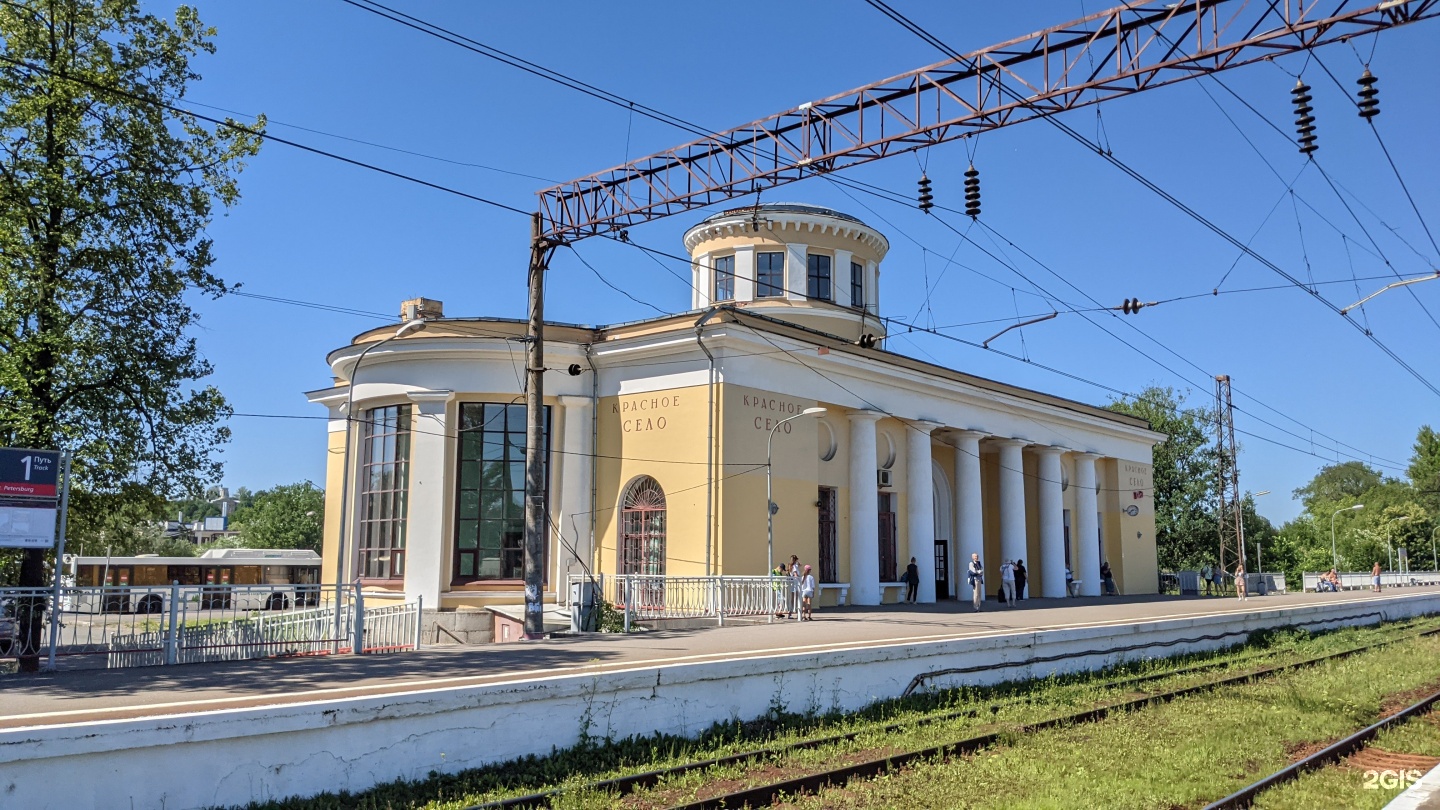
x=657 y=447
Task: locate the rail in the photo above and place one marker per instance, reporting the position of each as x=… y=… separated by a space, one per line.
x=1362 y=580
x=659 y=597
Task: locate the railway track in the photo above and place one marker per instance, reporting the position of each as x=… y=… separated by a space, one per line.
x=1333 y=753
x=762 y=795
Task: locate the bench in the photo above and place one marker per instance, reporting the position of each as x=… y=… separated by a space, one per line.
x=899 y=590
x=843 y=587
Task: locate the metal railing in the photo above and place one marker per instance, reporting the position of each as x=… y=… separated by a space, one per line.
x=1360 y=580
x=655 y=597
x=127 y=626
x=1189 y=583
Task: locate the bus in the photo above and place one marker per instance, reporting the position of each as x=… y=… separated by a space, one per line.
x=219 y=579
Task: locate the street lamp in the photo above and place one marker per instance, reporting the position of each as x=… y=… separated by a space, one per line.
x=1335 y=558
x=1389 y=546
x=408 y=327
x=1434 y=561
x=770 y=507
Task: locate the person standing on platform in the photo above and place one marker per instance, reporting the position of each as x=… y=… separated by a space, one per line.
x=912 y=581
x=1240 y=581
x=1007 y=582
x=1020 y=579
x=976 y=573
x=807 y=594
x=1108 y=579
x=1375 y=577
x=1218 y=575
x=1207 y=577
x=780 y=584
x=1069 y=581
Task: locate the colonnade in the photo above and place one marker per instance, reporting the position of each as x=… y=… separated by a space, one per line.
x=969 y=522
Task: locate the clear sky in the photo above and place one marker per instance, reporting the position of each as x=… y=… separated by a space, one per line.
x=316 y=230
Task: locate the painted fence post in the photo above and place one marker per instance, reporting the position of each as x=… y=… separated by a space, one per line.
x=419 y=619
x=357 y=645
x=172 y=632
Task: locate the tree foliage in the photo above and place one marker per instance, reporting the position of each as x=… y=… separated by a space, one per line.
x=1424 y=470
x=1186 y=528
x=104 y=200
x=288 y=516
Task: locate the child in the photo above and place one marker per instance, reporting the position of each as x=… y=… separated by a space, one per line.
x=807 y=594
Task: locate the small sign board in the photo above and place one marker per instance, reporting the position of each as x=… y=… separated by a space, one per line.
x=29 y=473
x=29 y=497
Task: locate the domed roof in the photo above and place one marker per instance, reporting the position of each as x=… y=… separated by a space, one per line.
x=783 y=208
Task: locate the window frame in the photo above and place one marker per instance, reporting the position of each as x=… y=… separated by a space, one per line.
x=820 y=277
x=763 y=264
x=857 y=285
x=477 y=434
x=382 y=522
x=724 y=269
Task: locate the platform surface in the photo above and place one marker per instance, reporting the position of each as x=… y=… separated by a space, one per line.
x=97 y=695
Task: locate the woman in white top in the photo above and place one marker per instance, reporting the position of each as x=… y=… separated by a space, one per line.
x=1007 y=582
x=807 y=594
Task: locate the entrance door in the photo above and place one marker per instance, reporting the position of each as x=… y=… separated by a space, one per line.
x=887 y=538
x=942 y=569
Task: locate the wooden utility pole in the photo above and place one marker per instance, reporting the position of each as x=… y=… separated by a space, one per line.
x=536 y=517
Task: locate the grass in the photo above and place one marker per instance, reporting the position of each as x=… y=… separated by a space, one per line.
x=1358 y=783
x=1008 y=703
x=1181 y=754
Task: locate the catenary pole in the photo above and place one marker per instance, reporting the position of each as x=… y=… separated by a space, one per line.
x=535 y=512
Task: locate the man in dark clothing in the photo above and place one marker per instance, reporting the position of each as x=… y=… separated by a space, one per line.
x=1019 y=579
x=912 y=581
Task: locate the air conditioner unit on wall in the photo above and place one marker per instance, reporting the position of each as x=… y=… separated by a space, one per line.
x=883 y=476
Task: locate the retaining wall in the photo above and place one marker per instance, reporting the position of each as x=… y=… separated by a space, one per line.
x=237 y=756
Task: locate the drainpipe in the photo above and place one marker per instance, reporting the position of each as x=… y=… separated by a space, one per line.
x=709 y=440
x=594 y=452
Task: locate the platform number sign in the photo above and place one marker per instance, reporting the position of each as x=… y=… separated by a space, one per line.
x=29 y=494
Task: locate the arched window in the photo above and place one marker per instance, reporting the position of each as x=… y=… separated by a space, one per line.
x=642 y=528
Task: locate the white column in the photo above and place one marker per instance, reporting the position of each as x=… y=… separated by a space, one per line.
x=1012 y=499
x=864 y=511
x=1087 y=530
x=427 y=549
x=573 y=519
x=840 y=278
x=920 y=505
x=872 y=288
x=704 y=284
x=1052 y=523
x=796 y=269
x=969 y=508
x=745 y=273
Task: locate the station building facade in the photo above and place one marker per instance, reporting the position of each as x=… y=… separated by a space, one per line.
x=657 y=450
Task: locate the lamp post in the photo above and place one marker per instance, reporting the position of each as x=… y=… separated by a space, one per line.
x=1334 y=557
x=1390 y=546
x=1434 y=561
x=340 y=567
x=770 y=507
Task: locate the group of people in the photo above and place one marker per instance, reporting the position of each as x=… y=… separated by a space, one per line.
x=1213 y=577
x=1330 y=582
x=799 y=587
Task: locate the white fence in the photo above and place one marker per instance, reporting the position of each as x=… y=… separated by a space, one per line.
x=1255 y=584
x=1359 y=580
x=116 y=627
x=652 y=597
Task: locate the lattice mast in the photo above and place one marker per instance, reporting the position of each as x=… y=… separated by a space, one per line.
x=1231 y=518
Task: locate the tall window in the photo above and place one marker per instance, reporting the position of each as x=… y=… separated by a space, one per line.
x=817 y=277
x=724 y=278
x=384 y=488
x=857 y=285
x=829 y=553
x=490 y=491
x=642 y=528
x=769 y=275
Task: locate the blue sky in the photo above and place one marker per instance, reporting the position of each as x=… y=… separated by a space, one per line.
x=317 y=230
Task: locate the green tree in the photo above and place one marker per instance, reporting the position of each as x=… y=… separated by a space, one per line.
x=104 y=200
x=1424 y=470
x=1338 y=482
x=1186 y=528
x=289 y=516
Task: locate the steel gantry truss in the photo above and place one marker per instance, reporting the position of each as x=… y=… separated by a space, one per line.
x=1227 y=484
x=1128 y=49
x=1125 y=50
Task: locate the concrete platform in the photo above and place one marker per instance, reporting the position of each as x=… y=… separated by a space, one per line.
x=88 y=696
